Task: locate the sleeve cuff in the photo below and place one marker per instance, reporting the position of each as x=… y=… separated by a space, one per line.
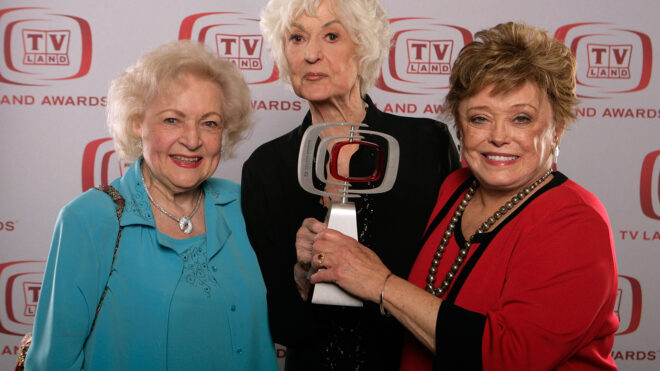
x=458 y=338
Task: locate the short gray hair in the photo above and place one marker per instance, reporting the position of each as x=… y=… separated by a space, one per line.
x=133 y=90
x=365 y=21
x=508 y=55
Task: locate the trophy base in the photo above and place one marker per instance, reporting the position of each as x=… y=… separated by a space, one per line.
x=341 y=217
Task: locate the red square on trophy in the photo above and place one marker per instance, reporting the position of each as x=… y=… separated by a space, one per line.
x=373 y=177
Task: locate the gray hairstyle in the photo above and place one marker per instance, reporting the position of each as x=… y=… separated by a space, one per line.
x=133 y=90
x=365 y=21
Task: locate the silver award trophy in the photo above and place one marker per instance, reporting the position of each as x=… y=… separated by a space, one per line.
x=342 y=215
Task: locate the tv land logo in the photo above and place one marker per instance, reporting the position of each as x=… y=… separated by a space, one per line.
x=420 y=58
x=649 y=185
x=628 y=305
x=237 y=38
x=612 y=59
x=609 y=61
x=100 y=164
x=243 y=50
x=21 y=283
x=429 y=57
x=41 y=46
x=46 y=47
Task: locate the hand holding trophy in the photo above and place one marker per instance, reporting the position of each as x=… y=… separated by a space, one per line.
x=342 y=214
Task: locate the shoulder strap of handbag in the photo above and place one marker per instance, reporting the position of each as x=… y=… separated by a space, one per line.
x=119 y=200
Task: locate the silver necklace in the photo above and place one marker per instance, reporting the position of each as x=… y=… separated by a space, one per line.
x=185 y=222
x=463 y=252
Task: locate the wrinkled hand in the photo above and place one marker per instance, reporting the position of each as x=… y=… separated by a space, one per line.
x=304 y=240
x=349 y=264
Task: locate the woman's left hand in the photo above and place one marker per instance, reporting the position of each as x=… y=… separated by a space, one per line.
x=349 y=264
x=359 y=271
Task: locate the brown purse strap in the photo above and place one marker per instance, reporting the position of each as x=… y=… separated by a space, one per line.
x=119 y=200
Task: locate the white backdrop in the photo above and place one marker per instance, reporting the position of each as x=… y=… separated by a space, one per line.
x=58 y=58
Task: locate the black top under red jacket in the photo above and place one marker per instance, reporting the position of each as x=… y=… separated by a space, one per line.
x=274 y=205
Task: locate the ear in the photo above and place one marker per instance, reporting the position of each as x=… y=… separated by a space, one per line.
x=137 y=128
x=458 y=126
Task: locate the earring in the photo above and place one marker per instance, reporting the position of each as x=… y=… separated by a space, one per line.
x=555 y=152
x=139 y=144
x=460 y=152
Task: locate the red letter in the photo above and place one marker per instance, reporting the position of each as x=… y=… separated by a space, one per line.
x=34 y=37
x=619 y=56
x=228 y=43
x=418 y=50
x=57 y=44
x=248 y=47
x=599 y=52
x=440 y=53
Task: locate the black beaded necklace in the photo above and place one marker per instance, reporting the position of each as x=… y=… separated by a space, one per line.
x=463 y=252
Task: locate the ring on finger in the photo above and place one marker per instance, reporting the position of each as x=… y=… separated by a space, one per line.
x=320 y=259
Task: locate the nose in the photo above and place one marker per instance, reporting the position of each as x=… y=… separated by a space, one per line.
x=190 y=136
x=312 y=52
x=500 y=134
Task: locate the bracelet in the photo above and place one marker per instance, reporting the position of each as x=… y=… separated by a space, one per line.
x=384 y=311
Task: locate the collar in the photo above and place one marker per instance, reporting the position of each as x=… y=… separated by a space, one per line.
x=137 y=209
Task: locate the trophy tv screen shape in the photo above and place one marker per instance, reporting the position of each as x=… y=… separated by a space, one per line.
x=312 y=160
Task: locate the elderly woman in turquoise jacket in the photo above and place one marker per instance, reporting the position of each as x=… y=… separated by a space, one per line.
x=184 y=291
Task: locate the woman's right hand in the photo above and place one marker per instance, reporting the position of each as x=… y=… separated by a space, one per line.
x=304 y=240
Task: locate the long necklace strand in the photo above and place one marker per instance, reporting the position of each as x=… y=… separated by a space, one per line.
x=185 y=222
x=463 y=252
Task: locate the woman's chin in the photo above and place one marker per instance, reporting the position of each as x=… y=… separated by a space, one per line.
x=317 y=93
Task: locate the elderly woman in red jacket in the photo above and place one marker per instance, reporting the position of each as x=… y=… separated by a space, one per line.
x=518 y=271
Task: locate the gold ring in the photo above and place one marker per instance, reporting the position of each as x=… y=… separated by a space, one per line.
x=320 y=259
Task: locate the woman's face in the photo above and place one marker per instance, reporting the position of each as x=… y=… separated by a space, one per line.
x=508 y=138
x=321 y=56
x=182 y=134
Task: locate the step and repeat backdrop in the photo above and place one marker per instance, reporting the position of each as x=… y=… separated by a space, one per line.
x=58 y=57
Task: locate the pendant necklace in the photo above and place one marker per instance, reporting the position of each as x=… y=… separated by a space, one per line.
x=185 y=222
x=463 y=252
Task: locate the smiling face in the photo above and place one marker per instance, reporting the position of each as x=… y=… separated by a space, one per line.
x=507 y=138
x=321 y=56
x=182 y=135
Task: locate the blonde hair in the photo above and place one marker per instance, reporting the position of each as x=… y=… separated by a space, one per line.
x=507 y=56
x=132 y=91
x=365 y=21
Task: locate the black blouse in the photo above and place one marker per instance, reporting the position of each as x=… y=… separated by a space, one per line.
x=324 y=337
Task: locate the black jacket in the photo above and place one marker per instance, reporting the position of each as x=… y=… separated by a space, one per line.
x=391 y=224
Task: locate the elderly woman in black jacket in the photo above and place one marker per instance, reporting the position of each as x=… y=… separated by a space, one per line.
x=330 y=53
